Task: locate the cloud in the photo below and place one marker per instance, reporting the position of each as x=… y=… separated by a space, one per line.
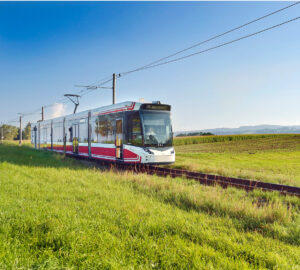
x=58 y=109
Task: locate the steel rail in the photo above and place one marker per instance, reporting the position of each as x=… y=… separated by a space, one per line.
x=202 y=178
x=209 y=179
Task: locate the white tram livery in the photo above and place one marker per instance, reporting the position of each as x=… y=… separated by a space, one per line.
x=128 y=132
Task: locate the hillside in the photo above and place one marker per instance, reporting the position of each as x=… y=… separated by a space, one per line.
x=58 y=213
x=260 y=129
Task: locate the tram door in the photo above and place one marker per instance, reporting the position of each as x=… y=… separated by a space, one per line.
x=75 y=138
x=119 y=139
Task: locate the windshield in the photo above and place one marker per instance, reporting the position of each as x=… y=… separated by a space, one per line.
x=157 y=128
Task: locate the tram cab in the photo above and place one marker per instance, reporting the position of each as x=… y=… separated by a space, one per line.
x=149 y=133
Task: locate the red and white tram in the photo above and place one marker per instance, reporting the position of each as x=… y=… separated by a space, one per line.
x=128 y=132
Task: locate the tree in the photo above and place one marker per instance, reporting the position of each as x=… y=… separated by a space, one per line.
x=27 y=132
x=194 y=134
x=9 y=132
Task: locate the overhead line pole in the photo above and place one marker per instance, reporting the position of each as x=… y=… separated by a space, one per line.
x=20 y=137
x=114 y=89
x=43 y=113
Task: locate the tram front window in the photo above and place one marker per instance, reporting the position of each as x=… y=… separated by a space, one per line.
x=134 y=131
x=157 y=128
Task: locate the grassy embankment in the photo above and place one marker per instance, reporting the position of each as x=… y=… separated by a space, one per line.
x=58 y=213
x=271 y=158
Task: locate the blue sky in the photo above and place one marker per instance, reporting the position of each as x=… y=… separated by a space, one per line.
x=48 y=47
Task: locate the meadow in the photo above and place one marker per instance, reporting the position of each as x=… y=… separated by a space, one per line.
x=60 y=213
x=271 y=158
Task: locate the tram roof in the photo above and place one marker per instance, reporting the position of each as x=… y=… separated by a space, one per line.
x=114 y=108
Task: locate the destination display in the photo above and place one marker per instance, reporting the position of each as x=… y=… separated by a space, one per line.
x=159 y=107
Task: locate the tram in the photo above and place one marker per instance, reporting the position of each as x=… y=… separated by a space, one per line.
x=127 y=132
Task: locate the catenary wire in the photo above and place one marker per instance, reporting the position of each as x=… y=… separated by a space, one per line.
x=87 y=91
x=218 y=46
x=210 y=39
x=90 y=90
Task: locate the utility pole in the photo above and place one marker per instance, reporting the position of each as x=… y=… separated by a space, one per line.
x=114 y=89
x=43 y=113
x=20 y=141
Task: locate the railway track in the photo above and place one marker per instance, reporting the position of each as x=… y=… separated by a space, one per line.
x=206 y=179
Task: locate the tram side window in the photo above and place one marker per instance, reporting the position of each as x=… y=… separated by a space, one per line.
x=32 y=135
x=93 y=130
x=104 y=129
x=134 y=132
x=44 y=135
x=48 y=139
x=57 y=132
x=40 y=133
x=83 y=131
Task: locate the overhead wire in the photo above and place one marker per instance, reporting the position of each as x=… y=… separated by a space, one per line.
x=65 y=100
x=91 y=90
x=100 y=81
x=209 y=39
x=222 y=44
x=15 y=120
x=82 y=92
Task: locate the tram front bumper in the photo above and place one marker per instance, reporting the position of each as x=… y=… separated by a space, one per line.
x=160 y=156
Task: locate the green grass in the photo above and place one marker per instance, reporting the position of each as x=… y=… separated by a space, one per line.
x=57 y=213
x=270 y=158
x=226 y=138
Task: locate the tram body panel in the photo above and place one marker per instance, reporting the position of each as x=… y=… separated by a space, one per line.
x=103 y=151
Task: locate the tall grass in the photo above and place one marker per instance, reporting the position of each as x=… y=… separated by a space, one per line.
x=57 y=213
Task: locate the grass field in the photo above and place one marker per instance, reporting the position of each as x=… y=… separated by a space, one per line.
x=271 y=158
x=58 y=213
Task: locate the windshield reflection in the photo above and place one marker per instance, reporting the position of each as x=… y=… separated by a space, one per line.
x=157 y=128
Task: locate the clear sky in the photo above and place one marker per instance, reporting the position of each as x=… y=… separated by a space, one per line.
x=48 y=47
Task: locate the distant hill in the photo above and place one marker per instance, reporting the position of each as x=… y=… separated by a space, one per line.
x=260 y=129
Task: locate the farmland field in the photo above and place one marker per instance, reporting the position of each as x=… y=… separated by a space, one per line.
x=59 y=213
x=271 y=158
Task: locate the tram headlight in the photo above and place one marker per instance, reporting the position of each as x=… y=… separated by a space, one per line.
x=148 y=151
